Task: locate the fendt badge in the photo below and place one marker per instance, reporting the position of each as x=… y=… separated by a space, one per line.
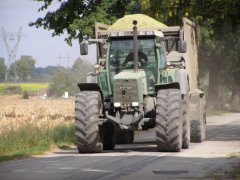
x=126 y=87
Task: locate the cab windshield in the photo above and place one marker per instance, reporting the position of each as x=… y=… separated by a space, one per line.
x=121 y=53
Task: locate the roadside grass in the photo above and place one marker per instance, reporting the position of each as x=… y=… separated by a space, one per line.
x=30 y=140
x=232 y=173
x=33 y=126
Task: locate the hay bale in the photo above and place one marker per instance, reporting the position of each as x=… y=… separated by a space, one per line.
x=144 y=22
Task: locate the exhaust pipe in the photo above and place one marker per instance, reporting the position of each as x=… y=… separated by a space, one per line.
x=135 y=46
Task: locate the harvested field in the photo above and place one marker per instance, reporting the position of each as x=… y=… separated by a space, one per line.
x=15 y=111
x=32 y=126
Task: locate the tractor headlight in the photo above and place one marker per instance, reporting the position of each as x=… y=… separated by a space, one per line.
x=117 y=104
x=134 y=104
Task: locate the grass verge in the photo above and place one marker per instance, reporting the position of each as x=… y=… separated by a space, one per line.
x=30 y=140
x=232 y=173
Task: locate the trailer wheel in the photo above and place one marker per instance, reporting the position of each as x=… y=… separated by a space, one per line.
x=198 y=125
x=88 y=106
x=186 y=126
x=168 y=120
x=196 y=131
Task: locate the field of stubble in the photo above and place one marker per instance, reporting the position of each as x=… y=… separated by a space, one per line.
x=31 y=126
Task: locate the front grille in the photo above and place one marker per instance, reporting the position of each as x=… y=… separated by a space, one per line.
x=126 y=91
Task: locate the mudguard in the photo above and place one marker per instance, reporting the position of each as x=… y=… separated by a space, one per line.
x=90 y=87
x=174 y=85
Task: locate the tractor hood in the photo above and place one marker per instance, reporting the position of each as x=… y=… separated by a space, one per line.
x=129 y=87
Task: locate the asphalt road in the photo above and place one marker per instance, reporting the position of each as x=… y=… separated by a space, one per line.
x=139 y=160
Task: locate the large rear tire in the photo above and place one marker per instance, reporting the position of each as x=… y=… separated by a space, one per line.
x=88 y=106
x=168 y=120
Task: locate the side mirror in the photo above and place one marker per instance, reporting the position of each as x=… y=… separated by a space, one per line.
x=183 y=47
x=83 y=48
x=158 y=45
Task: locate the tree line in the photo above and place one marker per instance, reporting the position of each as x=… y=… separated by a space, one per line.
x=60 y=79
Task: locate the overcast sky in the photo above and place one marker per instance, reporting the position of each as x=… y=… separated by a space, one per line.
x=37 y=43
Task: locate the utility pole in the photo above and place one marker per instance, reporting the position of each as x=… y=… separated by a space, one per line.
x=11 y=51
x=68 y=58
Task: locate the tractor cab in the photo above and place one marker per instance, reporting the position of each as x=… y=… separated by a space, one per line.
x=151 y=54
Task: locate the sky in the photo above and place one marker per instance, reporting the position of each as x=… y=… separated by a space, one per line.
x=36 y=42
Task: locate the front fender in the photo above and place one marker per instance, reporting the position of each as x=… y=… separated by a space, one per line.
x=174 y=85
x=90 y=87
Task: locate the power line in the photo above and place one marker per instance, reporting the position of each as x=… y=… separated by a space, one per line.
x=11 y=51
x=68 y=58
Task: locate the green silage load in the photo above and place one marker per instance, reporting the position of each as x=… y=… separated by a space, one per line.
x=144 y=22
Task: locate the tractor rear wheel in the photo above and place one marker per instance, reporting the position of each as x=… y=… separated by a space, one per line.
x=168 y=120
x=88 y=107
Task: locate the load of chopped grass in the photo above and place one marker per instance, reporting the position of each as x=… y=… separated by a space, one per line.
x=144 y=22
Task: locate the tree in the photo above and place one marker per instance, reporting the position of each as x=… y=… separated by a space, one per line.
x=77 y=17
x=81 y=68
x=25 y=67
x=3 y=69
x=66 y=80
x=220 y=22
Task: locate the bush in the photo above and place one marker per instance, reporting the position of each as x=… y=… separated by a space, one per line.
x=25 y=95
x=12 y=90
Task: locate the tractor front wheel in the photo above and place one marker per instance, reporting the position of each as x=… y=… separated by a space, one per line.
x=88 y=105
x=168 y=120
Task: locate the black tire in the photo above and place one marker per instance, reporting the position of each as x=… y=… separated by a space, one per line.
x=125 y=137
x=168 y=120
x=87 y=109
x=198 y=126
x=196 y=131
x=108 y=136
x=186 y=126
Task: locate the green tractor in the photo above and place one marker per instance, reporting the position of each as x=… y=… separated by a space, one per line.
x=144 y=78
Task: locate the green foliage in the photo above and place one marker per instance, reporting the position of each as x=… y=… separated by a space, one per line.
x=62 y=134
x=14 y=89
x=63 y=81
x=29 y=139
x=66 y=80
x=77 y=17
x=25 y=67
x=3 y=69
x=25 y=95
